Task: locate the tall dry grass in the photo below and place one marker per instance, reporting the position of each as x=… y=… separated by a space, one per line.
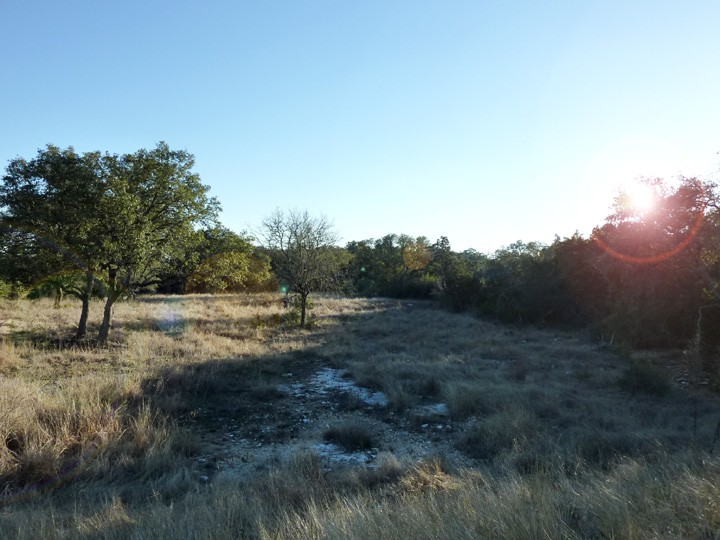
x=556 y=443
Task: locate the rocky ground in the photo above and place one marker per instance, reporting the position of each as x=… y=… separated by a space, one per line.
x=297 y=414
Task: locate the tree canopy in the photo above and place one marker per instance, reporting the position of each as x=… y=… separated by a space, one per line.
x=118 y=215
x=303 y=253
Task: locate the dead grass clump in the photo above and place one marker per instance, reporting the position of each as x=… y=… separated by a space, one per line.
x=9 y=357
x=429 y=475
x=486 y=439
x=302 y=482
x=351 y=436
x=388 y=469
x=601 y=449
x=114 y=517
x=51 y=438
x=466 y=400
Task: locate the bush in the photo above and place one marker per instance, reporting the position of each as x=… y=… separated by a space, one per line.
x=11 y=290
x=5 y=289
x=643 y=378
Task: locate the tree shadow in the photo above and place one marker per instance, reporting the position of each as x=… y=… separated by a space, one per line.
x=206 y=394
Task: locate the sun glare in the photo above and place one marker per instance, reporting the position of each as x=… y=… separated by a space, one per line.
x=639 y=196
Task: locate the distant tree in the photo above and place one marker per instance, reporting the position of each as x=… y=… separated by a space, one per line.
x=361 y=272
x=304 y=257
x=394 y=265
x=192 y=252
x=416 y=254
x=457 y=284
x=232 y=271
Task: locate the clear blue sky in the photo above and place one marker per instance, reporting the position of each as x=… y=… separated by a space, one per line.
x=484 y=121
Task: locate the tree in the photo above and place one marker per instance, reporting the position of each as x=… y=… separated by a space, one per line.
x=232 y=271
x=658 y=264
x=46 y=206
x=457 y=283
x=151 y=199
x=116 y=215
x=303 y=255
x=395 y=266
x=193 y=254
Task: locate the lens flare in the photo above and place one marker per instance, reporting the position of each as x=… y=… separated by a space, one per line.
x=678 y=248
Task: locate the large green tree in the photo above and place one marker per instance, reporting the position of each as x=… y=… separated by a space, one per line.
x=119 y=216
x=48 y=208
x=151 y=198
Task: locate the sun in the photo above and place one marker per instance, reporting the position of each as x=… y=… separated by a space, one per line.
x=639 y=196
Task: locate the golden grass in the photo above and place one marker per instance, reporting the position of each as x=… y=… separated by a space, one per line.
x=97 y=442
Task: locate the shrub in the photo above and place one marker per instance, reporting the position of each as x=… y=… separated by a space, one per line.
x=352 y=437
x=11 y=290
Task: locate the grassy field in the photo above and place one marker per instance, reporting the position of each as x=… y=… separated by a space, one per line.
x=207 y=417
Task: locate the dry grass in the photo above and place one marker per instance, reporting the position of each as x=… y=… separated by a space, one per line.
x=559 y=438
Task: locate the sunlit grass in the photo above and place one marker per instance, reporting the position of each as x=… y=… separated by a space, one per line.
x=549 y=435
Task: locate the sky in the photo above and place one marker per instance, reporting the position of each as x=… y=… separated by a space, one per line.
x=486 y=122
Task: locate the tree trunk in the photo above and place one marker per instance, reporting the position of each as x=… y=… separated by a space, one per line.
x=112 y=295
x=107 y=319
x=85 y=298
x=709 y=338
x=59 y=295
x=303 y=309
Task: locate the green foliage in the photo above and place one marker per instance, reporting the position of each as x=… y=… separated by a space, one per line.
x=233 y=271
x=293 y=317
x=458 y=284
x=70 y=282
x=11 y=290
x=523 y=284
x=394 y=266
x=122 y=216
x=194 y=248
x=650 y=266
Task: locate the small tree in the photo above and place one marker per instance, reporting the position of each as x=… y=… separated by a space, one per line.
x=304 y=257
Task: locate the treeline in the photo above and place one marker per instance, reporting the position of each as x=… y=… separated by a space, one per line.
x=641 y=278
x=119 y=225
